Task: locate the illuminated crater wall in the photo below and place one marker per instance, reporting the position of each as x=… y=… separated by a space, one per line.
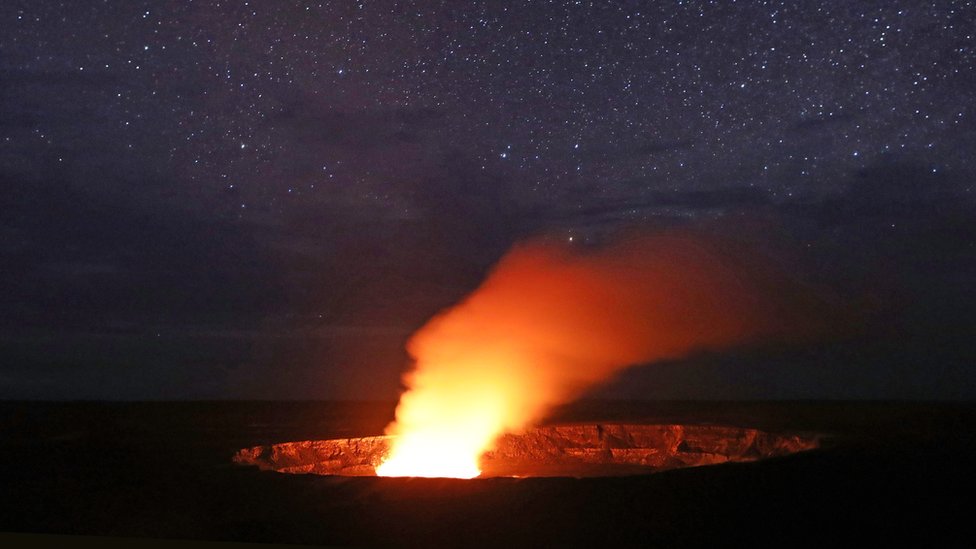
x=579 y=450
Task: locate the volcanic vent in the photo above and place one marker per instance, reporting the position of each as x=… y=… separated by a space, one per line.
x=576 y=450
x=548 y=322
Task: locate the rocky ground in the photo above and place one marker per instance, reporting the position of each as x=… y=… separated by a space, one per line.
x=572 y=450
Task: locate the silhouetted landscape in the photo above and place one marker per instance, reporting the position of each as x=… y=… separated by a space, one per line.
x=886 y=472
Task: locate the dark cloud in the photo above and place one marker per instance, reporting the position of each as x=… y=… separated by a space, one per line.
x=640 y=148
x=16 y=78
x=90 y=260
x=818 y=123
x=363 y=130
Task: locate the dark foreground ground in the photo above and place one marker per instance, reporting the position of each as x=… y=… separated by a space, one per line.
x=888 y=472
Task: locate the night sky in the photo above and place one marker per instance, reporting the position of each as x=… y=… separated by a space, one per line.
x=264 y=199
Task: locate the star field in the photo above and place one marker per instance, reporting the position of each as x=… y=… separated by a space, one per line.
x=229 y=188
x=254 y=105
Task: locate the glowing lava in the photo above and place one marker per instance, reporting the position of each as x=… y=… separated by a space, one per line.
x=431 y=455
x=445 y=423
x=551 y=321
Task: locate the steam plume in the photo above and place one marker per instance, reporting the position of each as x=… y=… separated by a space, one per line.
x=550 y=321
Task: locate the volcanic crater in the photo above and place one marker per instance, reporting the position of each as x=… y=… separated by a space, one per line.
x=571 y=450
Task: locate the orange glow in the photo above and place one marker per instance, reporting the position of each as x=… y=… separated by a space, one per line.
x=550 y=321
